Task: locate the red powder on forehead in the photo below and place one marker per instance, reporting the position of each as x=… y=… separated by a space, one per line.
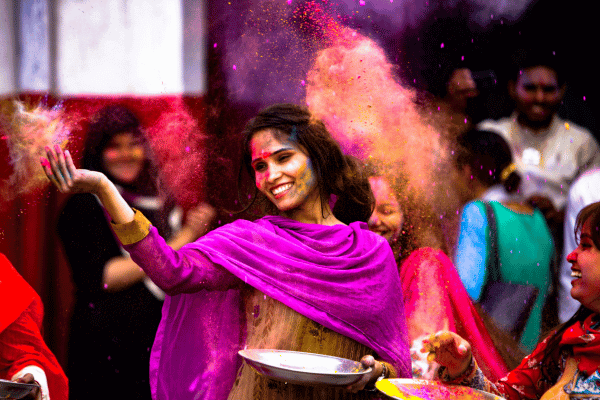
x=178 y=144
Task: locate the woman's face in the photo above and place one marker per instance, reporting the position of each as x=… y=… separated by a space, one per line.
x=123 y=157
x=585 y=269
x=387 y=218
x=282 y=170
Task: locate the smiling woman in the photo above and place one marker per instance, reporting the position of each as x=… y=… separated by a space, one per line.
x=321 y=170
x=387 y=217
x=309 y=278
x=433 y=295
x=124 y=157
x=283 y=172
x=566 y=364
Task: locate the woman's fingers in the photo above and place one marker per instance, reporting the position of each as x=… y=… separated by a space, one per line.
x=59 y=168
x=70 y=164
x=450 y=350
x=48 y=171
x=443 y=343
x=62 y=166
x=53 y=160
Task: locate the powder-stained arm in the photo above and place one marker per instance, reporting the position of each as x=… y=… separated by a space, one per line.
x=175 y=272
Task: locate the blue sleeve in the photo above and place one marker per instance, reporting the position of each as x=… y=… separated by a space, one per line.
x=472 y=251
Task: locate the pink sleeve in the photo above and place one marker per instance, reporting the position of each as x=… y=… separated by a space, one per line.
x=184 y=271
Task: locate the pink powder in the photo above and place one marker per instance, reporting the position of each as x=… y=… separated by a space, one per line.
x=28 y=131
x=178 y=144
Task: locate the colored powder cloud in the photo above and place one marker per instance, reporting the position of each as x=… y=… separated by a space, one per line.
x=28 y=131
x=178 y=143
x=352 y=87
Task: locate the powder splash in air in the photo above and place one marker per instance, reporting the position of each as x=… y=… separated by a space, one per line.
x=27 y=132
x=178 y=143
x=352 y=87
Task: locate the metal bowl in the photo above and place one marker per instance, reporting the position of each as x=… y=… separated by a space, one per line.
x=304 y=368
x=414 y=389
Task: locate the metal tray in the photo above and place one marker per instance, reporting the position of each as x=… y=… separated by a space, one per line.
x=421 y=389
x=15 y=390
x=304 y=368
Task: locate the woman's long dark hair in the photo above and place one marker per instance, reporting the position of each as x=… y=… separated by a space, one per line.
x=336 y=174
x=105 y=124
x=488 y=154
x=591 y=215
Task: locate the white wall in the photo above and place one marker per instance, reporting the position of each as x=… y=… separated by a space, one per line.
x=7 y=48
x=34 y=46
x=103 y=47
x=195 y=36
x=119 y=47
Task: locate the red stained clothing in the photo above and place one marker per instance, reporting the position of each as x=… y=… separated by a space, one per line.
x=526 y=381
x=21 y=342
x=577 y=353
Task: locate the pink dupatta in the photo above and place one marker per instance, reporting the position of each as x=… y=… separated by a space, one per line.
x=435 y=299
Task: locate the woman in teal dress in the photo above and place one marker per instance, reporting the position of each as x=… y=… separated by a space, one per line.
x=485 y=173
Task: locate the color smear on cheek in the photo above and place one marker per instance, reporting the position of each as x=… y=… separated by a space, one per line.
x=260 y=178
x=305 y=180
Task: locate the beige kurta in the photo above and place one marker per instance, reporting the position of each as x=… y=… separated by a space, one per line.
x=272 y=325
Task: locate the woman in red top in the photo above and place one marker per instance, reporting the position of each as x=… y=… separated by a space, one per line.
x=24 y=357
x=563 y=366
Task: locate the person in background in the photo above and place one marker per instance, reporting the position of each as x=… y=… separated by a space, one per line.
x=584 y=191
x=454 y=101
x=550 y=153
x=461 y=90
x=433 y=294
x=24 y=356
x=117 y=307
x=485 y=172
x=565 y=365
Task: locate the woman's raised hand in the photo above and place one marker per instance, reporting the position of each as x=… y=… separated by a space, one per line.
x=450 y=350
x=59 y=168
x=61 y=171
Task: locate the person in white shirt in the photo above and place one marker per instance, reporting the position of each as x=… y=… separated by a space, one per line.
x=549 y=152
